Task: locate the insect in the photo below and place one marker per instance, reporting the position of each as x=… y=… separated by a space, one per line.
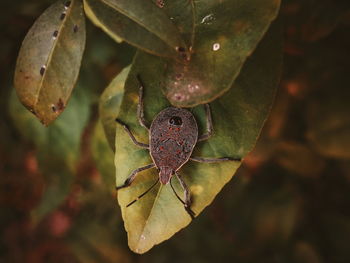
x=173 y=135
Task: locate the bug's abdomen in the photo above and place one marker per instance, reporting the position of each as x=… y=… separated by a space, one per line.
x=171 y=153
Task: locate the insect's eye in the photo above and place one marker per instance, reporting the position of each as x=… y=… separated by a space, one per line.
x=175 y=120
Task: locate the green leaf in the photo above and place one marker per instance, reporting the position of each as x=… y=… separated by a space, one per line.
x=96 y=21
x=140 y=23
x=222 y=35
x=58 y=147
x=238 y=117
x=49 y=60
x=109 y=105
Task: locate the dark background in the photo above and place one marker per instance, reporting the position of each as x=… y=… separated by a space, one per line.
x=289 y=202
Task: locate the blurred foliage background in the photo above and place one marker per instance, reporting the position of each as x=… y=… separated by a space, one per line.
x=289 y=202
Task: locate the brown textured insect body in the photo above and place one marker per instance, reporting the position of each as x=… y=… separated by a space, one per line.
x=173 y=135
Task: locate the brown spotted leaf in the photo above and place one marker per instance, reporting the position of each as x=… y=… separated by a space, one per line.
x=49 y=60
x=221 y=36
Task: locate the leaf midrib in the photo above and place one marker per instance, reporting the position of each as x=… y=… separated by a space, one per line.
x=150 y=214
x=55 y=43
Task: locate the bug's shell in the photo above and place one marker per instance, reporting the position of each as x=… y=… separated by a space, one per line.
x=173 y=135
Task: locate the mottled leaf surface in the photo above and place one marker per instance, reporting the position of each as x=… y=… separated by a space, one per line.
x=140 y=23
x=49 y=60
x=222 y=35
x=238 y=117
x=109 y=104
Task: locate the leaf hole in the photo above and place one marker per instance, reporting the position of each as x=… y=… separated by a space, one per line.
x=60 y=104
x=75 y=28
x=63 y=15
x=179 y=97
x=42 y=70
x=160 y=3
x=55 y=34
x=58 y=107
x=179 y=76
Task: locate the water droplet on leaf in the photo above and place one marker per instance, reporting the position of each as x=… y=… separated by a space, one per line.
x=216 y=46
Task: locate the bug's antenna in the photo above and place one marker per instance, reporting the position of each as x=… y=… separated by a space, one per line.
x=178 y=197
x=140 y=196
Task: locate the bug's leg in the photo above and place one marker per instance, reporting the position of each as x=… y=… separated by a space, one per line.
x=178 y=197
x=132 y=137
x=140 y=112
x=209 y=132
x=187 y=195
x=144 y=193
x=132 y=176
x=214 y=160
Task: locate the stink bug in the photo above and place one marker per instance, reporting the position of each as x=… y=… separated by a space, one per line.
x=173 y=135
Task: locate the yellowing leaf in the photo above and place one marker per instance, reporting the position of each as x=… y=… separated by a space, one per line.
x=110 y=102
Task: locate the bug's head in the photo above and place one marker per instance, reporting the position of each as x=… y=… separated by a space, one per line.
x=175 y=121
x=165 y=174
